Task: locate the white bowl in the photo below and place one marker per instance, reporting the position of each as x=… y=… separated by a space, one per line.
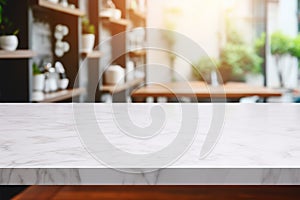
x=116 y=14
x=111 y=13
x=53 y=1
x=37 y=96
x=114 y=75
x=9 y=42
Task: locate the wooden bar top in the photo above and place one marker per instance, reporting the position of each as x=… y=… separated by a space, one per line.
x=199 y=89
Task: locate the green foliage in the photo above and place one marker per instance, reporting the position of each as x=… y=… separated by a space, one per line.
x=241 y=59
x=295 y=50
x=36 y=70
x=2 y=3
x=203 y=68
x=236 y=59
x=232 y=35
x=280 y=43
x=6 y=26
x=259 y=45
x=87 y=28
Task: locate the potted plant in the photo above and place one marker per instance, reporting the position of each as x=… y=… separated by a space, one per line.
x=204 y=68
x=237 y=61
x=38 y=78
x=295 y=50
x=88 y=36
x=8 y=38
x=282 y=45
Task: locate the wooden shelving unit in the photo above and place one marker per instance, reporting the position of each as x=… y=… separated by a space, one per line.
x=16 y=81
x=92 y=55
x=137 y=53
x=119 y=88
x=120 y=22
x=62 y=95
x=18 y=54
x=54 y=14
x=31 y=16
x=130 y=19
x=137 y=14
x=60 y=8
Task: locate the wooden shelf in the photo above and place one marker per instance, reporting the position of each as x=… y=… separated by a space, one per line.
x=62 y=95
x=18 y=54
x=137 y=14
x=138 y=53
x=92 y=55
x=121 y=22
x=59 y=8
x=119 y=88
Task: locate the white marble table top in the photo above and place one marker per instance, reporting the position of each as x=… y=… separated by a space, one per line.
x=254 y=136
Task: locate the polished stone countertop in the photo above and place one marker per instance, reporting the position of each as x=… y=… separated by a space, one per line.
x=251 y=144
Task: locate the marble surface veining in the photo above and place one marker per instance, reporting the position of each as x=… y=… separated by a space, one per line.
x=260 y=144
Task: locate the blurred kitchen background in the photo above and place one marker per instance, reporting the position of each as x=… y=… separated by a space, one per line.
x=61 y=51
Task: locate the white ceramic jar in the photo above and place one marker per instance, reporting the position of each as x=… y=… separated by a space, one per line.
x=114 y=75
x=39 y=82
x=88 y=41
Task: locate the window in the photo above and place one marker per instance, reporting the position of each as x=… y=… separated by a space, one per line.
x=259 y=16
